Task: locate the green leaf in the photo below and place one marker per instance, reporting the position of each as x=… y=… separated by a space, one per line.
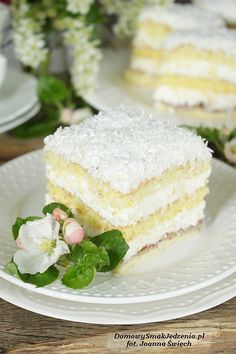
x=232 y=134
x=40 y=279
x=87 y=254
x=77 y=253
x=11 y=268
x=77 y=276
x=89 y=247
x=87 y=258
x=115 y=245
x=103 y=259
x=44 y=123
x=95 y=16
x=51 y=90
x=211 y=134
x=19 y=222
x=48 y=209
x=35 y=129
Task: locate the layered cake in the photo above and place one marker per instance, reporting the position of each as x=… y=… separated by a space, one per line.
x=198 y=74
x=126 y=170
x=155 y=25
x=225 y=8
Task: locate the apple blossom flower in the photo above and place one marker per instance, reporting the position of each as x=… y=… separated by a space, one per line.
x=59 y=214
x=69 y=117
x=73 y=232
x=230 y=151
x=40 y=245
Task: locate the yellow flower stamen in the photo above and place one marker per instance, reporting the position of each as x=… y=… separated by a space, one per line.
x=233 y=149
x=48 y=246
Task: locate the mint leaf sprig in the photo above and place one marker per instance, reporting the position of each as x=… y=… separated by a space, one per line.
x=101 y=253
x=87 y=259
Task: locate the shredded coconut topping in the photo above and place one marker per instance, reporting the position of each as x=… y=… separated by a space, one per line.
x=126 y=147
x=214 y=40
x=180 y=17
x=225 y=8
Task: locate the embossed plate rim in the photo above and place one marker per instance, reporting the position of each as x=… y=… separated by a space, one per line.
x=157 y=311
x=31 y=163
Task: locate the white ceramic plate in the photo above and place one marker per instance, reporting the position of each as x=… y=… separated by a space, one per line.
x=17 y=96
x=111 y=90
x=156 y=311
x=186 y=266
x=20 y=119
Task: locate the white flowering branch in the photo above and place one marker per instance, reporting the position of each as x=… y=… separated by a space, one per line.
x=86 y=56
x=79 y=6
x=29 y=39
x=76 y=20
x=30 y=34
x=30 y=46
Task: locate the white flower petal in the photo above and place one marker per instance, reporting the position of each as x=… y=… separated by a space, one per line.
x=60 y=249
x=28 y=263
x=33 y=232
x=26 y=240
x=46 y=262
x=36 y=230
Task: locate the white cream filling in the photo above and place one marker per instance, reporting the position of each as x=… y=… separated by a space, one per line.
x=159 y=199
x=182 y=221
x=143 y=39
x=198 y=68
x=211 y=101
x=190 y=68
x=149 y=66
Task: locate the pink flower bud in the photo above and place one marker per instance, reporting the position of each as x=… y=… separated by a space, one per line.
x=73 y=232
x=66 y=115
x=59 y=214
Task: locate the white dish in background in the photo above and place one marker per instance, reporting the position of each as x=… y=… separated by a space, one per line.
x=186 y=266
x=4 y=14
x=3 y=69
x=111 y=90
x=17 y=96
x=15 y=122
x=125 y=314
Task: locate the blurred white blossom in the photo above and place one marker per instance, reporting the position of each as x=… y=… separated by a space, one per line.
x=69 y=117
x=79 y=6
x=127 y=12
x=29 y=43
x=230 y=151
x=86 y=56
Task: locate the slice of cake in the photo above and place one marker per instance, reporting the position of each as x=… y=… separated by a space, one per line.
x=154 y=25
x=126 y=170
x=198 y=74
x=225 y=8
